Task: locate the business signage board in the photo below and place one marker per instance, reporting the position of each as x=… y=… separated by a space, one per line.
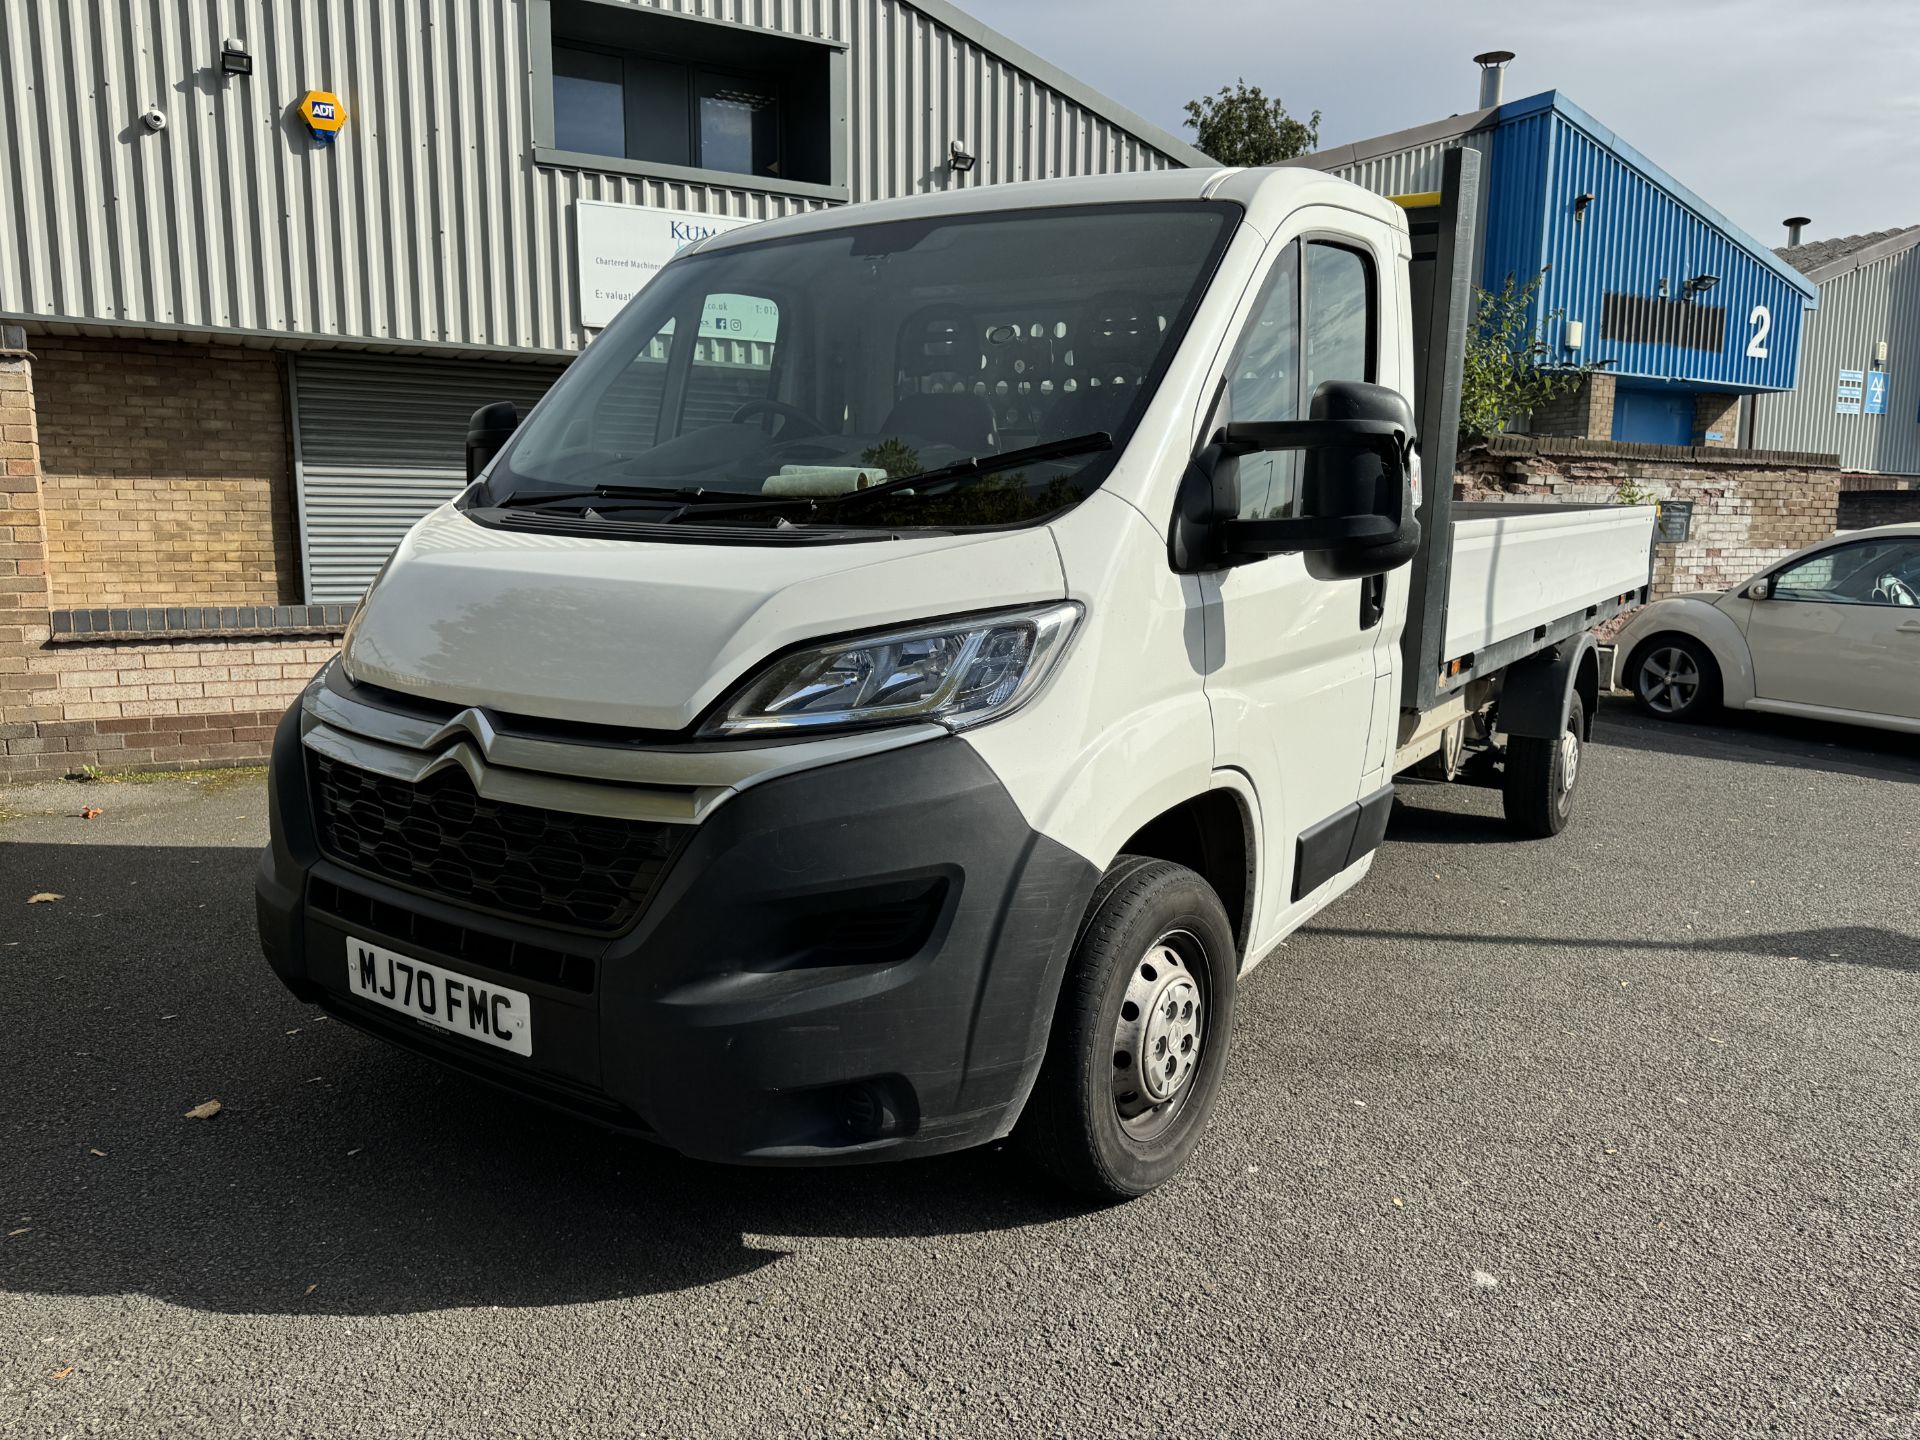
x=619 y=248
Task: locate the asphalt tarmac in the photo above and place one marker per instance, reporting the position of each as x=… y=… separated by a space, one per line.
x=1609 y=1134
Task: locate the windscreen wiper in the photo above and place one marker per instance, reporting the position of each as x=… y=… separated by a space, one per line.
x=976 y=465
x=598 y=492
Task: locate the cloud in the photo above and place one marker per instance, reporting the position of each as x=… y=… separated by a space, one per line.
x=1764 y=107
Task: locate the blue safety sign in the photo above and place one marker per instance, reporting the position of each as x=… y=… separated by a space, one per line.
x=1877 y=387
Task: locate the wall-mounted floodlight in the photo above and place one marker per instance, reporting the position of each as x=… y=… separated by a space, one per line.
x=234 y=59
x=1699 y=285
x=958 y=159
x=1580 y=204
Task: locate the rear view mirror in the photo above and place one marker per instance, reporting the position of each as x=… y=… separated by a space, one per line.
x=487 y=434
x=1356 y=515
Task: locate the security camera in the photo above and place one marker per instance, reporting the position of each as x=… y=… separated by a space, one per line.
x=154 y=118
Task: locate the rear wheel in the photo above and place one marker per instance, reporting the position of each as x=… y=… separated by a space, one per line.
x=1140 y=1037
x=1541 y=776
x=1675 y=678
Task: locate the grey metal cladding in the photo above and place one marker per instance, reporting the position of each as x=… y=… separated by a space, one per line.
x=1859 y=307
x=427 y=226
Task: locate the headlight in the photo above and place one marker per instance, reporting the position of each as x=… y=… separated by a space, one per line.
x=956 y=673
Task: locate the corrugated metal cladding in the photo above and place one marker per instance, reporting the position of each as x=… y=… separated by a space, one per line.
x=1639 y=229
x=1414 y=170
x=1878 y=301
x=1636 y=238
x=426 y=225
x=379 y=441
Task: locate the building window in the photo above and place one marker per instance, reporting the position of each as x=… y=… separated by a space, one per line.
x=662 y=89
x=589 y=105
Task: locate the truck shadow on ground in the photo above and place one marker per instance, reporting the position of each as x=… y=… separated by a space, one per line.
x=1872 y=946
x=374 y=1177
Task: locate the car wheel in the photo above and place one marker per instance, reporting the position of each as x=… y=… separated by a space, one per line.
x=1675 y=677
x=1140 y=1036
x=1541 y=776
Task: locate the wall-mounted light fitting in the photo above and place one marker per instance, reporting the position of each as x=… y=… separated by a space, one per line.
x=234 y=59
x=1698 y=285
x=958 y=159
x=1580 y=204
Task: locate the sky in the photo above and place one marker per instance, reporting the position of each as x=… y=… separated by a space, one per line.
x=1764 y=108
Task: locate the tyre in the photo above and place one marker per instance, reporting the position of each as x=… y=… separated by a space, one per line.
x=1675 y=677
x=1542 y=775
x=1140 y=1036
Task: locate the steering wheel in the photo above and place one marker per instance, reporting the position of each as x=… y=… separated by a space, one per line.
x=1892 y=590
x=791 y=414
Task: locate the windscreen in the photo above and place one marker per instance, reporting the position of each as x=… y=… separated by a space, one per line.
x=816 y=368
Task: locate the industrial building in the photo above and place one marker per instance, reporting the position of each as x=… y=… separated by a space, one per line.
x=1683 y=312
x=1859 y=395
x=1684 y=317
x=259 y=263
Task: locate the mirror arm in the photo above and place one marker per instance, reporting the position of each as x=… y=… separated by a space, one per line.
x=1249 y=437
x=1280 y=537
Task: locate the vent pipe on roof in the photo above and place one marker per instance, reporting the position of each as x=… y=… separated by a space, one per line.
x=1795 y=224
x=1493 y=76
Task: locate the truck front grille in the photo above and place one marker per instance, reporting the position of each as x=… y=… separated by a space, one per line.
x=440 y=838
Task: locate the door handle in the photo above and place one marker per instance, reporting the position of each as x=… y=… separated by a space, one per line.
x=1912 y=627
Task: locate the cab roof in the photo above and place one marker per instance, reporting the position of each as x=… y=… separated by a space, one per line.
x=1265 y=194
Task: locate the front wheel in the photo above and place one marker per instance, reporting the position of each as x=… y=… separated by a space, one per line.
x=1674 y=677
x=1541 y=776
x=1140 y=1036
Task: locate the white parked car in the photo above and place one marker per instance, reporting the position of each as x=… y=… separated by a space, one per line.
x=1832 y=633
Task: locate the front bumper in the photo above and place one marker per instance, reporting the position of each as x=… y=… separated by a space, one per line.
x=854 y=961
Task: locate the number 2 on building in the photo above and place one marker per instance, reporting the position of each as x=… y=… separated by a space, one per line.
x=1761 y=319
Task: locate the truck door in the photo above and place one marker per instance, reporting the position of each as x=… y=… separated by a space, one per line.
x=1292 y=673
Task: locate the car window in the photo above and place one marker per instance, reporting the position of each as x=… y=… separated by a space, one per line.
x=1263 y=383
x=1874 y=572
x=1340 y=315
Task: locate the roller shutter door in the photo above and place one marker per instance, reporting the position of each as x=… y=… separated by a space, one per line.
x=380 y=441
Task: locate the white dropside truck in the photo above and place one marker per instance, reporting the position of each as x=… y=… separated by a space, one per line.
x=919 y=659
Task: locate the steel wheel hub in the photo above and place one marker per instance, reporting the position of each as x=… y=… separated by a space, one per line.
x=1162 y=1026
x=1569 y=759
x=1669 y=679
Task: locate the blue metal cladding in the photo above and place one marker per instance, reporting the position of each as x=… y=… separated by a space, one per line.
x=1622 y=268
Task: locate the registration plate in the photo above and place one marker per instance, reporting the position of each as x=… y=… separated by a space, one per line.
x=441 y=998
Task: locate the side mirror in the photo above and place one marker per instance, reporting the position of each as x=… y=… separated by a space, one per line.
x=1356 y=495
x=1760 y=589
x=487 y=434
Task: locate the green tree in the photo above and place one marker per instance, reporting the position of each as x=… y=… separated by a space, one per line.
x=894 y=456
x=1241 y=126
x=1508 y=371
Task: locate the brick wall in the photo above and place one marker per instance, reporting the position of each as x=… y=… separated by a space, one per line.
x=1584 y=412
x=166 y=473
x=138 y=704
x=1750 y=507
x=1862 y=508
x=166 y=705
x=23 y=552
x=1715 y=413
